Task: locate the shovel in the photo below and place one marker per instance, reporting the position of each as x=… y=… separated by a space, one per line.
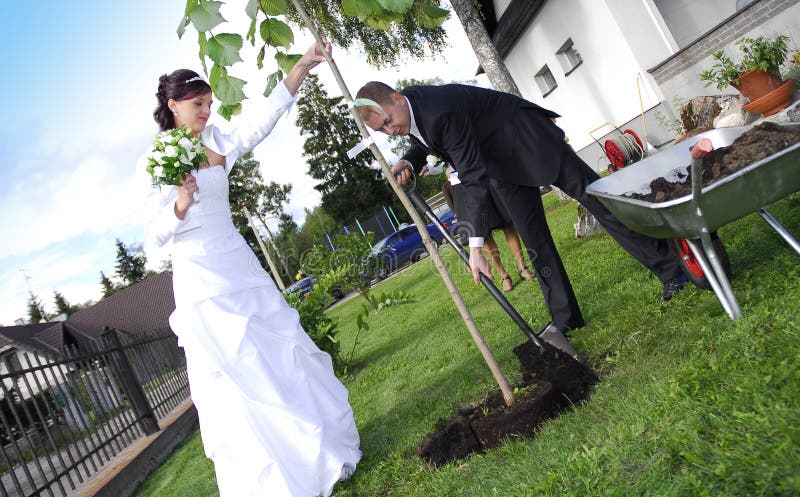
x=550 y=334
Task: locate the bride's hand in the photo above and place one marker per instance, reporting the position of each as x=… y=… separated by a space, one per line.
x=185 y=196
x=314 y=56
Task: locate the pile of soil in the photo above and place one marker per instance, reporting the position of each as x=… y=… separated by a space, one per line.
x=552 y=382
x=762 y=141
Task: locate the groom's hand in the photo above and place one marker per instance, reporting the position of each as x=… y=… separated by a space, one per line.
x=478 y=265
x=401 y=171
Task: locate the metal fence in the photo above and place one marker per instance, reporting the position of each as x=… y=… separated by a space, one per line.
x=64 y=418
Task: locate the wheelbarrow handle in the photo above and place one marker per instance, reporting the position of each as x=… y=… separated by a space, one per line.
x=700 y=149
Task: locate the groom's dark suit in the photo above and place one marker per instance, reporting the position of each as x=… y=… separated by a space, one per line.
x=496 y=138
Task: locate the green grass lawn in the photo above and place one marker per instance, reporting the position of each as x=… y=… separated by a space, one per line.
x=690 y=403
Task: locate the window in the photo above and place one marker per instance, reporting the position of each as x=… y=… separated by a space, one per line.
x=569 y=57
x=11 y=362
x=544 y=78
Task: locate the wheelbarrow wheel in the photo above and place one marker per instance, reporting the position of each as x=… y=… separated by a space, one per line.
x=691 y=267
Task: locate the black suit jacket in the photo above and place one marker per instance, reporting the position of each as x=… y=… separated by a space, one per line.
x=485 y=134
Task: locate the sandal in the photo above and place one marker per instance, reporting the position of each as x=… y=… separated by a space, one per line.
x=525 y=274
x=507 y=283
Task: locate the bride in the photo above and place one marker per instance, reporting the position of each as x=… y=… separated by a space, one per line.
x=273 y=417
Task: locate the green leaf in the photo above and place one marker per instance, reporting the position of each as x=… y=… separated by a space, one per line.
x=185 y=21
x=227 y=111
x=350 y=8
x=260 y=57
x=227 y=89
x=251 y=33
x=362 y=8
x=251 y=9
x=287 y=61
x=396 y=5
x=379 y=23
x=224 y=48
x=431 y=16
x=273 y=7
x=182 y=26
x=202 y=44
x=277 y=33
x=205 y=16
x=272 y=81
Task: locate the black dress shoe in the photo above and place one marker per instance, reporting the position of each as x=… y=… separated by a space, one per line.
x=672 y=287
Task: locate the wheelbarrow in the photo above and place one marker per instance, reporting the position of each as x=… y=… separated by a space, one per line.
x=695 y=216
x=550 y=334
x=626 y=148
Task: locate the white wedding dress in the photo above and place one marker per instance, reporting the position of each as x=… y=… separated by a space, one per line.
x=273 y=416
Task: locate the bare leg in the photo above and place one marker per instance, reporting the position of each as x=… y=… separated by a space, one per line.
x=512 y=237
x=493 y=253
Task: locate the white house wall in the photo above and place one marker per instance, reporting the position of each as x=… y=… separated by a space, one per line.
x=31 y=383
x=604 y=87
x=688 y=19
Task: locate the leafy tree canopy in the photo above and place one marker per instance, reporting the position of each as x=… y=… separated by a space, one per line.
x=388 y=30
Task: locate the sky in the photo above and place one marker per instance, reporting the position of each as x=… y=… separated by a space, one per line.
x=79 y=80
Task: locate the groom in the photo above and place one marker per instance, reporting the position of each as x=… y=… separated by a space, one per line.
x=496 y=138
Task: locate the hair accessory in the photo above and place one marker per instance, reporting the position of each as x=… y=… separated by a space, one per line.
x=196 y=78
x=364 y=102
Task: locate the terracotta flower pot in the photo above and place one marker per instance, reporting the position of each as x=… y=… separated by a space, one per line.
x=757 y=83
x=773 y=101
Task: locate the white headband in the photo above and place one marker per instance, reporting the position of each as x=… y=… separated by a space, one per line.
x=364 y=102
x=196 y=78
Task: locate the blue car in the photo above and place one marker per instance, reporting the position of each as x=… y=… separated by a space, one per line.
x=303 y=287
x=402 y=247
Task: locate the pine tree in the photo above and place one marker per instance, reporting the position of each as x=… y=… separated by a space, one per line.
x=131 y=263
x=350 y=188
x=36 y=312
x=108 y=286
x=62 y=306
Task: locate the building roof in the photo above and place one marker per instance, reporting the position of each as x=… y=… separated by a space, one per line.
x=139 y=308
x=39 y=337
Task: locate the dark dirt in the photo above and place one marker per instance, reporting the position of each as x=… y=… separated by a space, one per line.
x=762 y=141
x=552 y=382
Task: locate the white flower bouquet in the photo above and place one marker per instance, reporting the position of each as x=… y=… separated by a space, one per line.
x=175 y=154
x=435 y=164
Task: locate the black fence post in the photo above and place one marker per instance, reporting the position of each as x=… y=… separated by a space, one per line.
x=132 y=389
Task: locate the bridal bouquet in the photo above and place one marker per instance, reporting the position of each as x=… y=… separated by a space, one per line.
x=175 y=154
x=435 y=164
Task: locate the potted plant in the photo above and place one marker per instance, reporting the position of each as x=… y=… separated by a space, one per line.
x=758 y=73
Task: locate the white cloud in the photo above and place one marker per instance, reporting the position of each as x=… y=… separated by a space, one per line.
x=51 y=206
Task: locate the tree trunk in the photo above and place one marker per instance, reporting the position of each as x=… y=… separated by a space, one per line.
x=484 y=48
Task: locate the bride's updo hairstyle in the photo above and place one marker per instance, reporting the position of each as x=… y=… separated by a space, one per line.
x=179 y=85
